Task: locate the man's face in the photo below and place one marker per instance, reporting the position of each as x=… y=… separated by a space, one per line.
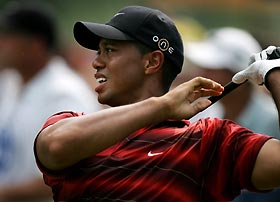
x=13 y=48
x=120 y=73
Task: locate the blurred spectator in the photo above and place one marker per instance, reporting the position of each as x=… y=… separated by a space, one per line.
x=28 y=40
x=224 y=52
x=10 y=82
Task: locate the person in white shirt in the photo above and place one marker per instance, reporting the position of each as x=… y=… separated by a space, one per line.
x=28 y=42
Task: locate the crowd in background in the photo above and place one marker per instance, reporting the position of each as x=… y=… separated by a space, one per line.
x=39 y=77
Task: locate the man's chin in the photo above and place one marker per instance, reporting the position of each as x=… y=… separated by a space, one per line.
x=103 y=100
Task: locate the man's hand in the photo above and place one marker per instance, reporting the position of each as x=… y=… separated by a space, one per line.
x=184 y=100
x=260 y=64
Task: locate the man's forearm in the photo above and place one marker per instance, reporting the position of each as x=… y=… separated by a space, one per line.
x=273 y=85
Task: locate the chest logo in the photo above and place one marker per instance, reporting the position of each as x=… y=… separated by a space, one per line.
x=154 y=154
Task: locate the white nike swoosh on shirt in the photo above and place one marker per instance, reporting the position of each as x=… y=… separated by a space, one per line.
x=154 y=154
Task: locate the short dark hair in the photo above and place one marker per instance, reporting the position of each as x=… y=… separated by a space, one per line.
x=33 y=18
x=168 y=73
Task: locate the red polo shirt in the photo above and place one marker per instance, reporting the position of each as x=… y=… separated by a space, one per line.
x=174 y=161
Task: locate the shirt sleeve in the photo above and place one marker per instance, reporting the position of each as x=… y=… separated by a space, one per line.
x=50 y=121
x=234 y=155
x=247 y=148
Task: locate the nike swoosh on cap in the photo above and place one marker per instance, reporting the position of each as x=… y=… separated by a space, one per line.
x=118 y=14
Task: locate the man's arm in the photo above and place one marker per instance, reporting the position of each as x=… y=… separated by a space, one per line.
x=73 y=139
x=266 y=174
x=262 y=70
x=273 y=85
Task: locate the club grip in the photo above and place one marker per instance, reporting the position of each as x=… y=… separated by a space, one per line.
x=227 y=89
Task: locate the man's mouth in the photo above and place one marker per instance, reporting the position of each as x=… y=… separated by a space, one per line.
x=101 y=80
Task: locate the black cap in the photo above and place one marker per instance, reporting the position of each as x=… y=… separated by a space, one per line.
x=34 y=19
x=146 y=25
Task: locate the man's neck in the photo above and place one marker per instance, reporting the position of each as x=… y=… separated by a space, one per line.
x=31 y=69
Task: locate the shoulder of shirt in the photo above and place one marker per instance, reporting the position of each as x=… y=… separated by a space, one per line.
x=61 y=115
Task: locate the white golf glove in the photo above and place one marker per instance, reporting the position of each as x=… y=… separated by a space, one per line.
x=260 y=64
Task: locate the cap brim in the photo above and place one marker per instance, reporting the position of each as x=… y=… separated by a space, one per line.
x=88 y=34
x=206 y=55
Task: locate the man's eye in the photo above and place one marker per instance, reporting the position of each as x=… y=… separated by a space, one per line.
x=108 y=50
x=105 y=50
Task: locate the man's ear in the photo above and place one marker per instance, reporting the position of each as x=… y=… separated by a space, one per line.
x=154 y=61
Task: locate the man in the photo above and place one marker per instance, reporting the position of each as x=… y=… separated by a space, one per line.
x=28 y=44
x=143 y=149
